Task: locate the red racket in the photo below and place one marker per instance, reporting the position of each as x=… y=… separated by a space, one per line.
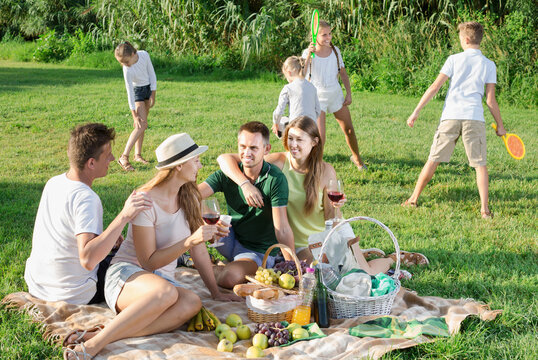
x=514 y=144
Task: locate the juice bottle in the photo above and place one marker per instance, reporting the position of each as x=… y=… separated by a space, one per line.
x=301 y=314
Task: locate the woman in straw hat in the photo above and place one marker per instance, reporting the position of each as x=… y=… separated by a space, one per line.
x=140 y=285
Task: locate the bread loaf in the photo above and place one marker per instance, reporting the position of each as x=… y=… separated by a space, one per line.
x=266 y=294
x=246 y=289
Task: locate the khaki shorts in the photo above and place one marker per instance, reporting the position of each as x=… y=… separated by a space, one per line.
x=473 y=134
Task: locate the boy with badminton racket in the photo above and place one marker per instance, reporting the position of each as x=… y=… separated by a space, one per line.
x=463 y=115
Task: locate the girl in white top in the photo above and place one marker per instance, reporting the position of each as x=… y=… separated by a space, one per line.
x=300 y=95
x=140 y=285
x=141 y=85
x=323 y=71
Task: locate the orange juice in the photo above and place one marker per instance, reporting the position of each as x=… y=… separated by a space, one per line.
x=301 y=315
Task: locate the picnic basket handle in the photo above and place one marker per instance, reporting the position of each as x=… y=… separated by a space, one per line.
x=292 y=254
x=366 y=218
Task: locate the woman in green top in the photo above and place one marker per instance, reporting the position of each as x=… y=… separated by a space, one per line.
x=308 y=176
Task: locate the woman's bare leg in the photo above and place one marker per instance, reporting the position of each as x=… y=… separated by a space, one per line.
x=140 y=140
x=148 y=304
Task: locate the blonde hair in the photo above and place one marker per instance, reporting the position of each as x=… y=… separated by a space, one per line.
x=314 y=162
x=294 y=64
x=124 y=50
x=473 y=30
x=188 y=197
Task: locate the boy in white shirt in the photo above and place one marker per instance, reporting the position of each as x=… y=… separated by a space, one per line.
x=69 y=243
x=462 y=114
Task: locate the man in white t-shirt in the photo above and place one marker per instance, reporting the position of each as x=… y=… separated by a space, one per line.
x=463 y=115
x=69 y=243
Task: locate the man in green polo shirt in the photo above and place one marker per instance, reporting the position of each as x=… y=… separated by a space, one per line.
x=254 y=229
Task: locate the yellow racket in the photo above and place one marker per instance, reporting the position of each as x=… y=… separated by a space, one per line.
x=514 y=144
x=314 y=27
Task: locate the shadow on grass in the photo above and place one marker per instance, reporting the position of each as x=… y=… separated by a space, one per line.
x=20 y=78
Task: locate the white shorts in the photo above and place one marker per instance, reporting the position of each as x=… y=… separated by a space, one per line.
x=331 y=99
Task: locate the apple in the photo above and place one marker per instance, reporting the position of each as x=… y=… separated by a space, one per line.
x=261 y=341
x=243 y=332
x=234 y=320
x=254 y=352
x=221 y=328
x=292 y=327
x=225 y=346
x=286 y=281
x=299 y=333
x=230 y=335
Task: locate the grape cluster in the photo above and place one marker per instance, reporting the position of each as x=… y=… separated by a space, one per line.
x=290 y=268
x=267 y=276
x=275 y=332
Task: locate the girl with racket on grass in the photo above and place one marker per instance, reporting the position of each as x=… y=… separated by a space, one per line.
x=141 y=85
x=323 y=66
x=308 y=180
x=299 y=94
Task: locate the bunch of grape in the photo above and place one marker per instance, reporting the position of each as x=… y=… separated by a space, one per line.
x=275 y=332
x=267 y=276
x=290 y=268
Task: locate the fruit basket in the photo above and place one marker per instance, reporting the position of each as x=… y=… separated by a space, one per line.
x=347 y=306
x=260 y=310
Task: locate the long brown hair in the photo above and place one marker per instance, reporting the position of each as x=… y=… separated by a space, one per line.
x=188 y=197
x=314 y=162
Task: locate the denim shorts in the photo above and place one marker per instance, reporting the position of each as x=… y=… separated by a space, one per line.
x=118 y=274
x=142 y=93
x=232 y=250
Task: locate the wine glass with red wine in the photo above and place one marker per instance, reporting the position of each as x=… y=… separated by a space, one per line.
x=335 y=192
x=211 y=213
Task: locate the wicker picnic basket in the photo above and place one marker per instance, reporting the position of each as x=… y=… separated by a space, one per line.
x=343 y=306
x=289 y=301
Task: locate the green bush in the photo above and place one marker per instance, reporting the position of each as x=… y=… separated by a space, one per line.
x=52 y=48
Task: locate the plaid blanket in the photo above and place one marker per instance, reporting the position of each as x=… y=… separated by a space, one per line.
x=58 y=318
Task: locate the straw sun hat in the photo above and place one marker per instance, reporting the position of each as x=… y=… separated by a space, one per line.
x=176 y=150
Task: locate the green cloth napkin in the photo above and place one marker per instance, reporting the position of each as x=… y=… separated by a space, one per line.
x=391 y=327
x=313 y=330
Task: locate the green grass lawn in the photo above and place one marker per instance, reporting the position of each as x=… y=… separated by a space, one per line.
x=491 y=261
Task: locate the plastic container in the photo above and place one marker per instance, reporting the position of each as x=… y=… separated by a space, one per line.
x=301 y=314
x=330 y=276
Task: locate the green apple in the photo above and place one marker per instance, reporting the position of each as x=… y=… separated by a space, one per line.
x=243 y=332
x=299 y=333
x=286 y=281
x=292 y=327
x=230 y=335
x=225 y=346
x=221 y=328
x=254 y=352
x=234 y=320
x=261 y=341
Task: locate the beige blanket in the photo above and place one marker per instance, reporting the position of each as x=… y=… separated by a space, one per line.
x=58 y=318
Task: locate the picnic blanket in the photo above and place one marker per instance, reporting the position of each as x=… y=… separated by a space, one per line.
x=58 y=318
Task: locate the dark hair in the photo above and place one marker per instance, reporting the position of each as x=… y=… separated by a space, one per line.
x=256 y=127
x=314 y=162
x=87 y=142
x=473 y=30
x=125 y=49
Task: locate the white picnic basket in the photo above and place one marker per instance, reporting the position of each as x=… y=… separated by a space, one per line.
x=343 y=306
